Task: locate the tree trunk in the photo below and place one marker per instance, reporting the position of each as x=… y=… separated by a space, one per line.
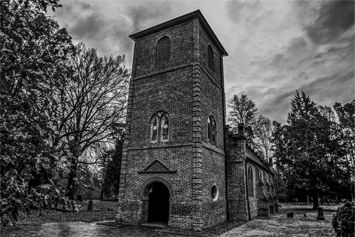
x=71 y=180
x=315 y=200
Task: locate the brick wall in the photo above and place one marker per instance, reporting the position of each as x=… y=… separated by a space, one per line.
x=204 y=42
x=214 y=211
x=182 y=41
x=169 y=91
x=236 y=182
x=189 y=93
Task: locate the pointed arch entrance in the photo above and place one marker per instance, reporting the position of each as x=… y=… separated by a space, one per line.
x=156 y=201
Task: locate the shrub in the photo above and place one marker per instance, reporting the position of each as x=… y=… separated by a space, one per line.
x=343 y=220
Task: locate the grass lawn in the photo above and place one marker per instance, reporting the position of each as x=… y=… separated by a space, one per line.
x=280 y=225
x=102 y=211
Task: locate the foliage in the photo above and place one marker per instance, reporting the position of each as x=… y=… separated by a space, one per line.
x=308 y=151
x=346 y=117
x=33 y=54
x=280 y=187
x=344 y=220
x=243 y=111
x=112 y=170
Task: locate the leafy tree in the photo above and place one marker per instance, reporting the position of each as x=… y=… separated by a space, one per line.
x=93 y=99
x=33 y=54
x=112 y=169
x=308 y=149
x=243 y=111
x=346 y=117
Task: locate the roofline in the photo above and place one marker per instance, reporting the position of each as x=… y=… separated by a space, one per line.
x=261 y=164
x=179 y=20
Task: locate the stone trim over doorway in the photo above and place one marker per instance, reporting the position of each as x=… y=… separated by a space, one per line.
x=143 y=191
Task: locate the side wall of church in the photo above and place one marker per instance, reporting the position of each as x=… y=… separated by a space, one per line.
x=253 y=200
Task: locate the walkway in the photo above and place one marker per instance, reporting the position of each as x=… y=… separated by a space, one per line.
x=79 y=229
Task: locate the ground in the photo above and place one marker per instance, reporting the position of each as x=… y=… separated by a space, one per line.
x=280 y=225
x=276 y=225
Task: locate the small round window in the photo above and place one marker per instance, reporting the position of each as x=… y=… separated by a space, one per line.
x=214 y=192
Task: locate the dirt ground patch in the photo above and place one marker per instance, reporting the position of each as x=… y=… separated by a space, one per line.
x=304 y=223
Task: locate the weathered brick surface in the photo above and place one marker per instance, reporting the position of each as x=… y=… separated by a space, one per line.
x=216 y=73
x=237 y=166
x=236 y=181
x=182 y=41
x=189 y=91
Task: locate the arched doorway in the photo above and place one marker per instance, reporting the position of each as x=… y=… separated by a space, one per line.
x=158 y=202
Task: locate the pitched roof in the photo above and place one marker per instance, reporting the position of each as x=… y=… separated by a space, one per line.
x=181 y=19
x=251 y=156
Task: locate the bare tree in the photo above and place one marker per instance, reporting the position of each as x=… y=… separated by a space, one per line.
x=263 y=129
x=92 y=99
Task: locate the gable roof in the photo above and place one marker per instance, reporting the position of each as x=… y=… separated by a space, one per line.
x=181 y=19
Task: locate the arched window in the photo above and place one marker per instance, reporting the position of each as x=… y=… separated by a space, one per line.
x=212 y=130
x=154 y=128
x=163 y=49
x=210 y=58
x=250 y=182
x=261 y=175
x=164 y=127
x=214 y=192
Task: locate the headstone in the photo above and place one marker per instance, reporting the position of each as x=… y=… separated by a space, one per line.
x=74 y=206
x=90 y=205
x=320 y=214
x=290 y=214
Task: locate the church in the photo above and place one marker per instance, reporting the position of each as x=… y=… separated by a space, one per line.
x=181 y=165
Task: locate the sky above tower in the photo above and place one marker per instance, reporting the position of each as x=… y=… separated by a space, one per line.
x=275 y=47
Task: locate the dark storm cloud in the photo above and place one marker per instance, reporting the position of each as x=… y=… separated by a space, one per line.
x=335 y=17
x=275 y=102
x=335 y=86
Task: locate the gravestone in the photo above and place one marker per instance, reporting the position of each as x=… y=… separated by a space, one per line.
x=90 y=205
x=290 y=214
x=320 y=214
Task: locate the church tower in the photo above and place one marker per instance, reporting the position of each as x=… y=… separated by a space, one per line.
x=173 y=165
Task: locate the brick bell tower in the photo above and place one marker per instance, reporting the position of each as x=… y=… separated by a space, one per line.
x=173 y=166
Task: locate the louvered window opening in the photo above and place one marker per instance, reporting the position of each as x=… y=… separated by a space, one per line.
x=210 y=58
x=163 y=49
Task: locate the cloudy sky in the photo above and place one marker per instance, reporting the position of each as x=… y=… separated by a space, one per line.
x=275 y=47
